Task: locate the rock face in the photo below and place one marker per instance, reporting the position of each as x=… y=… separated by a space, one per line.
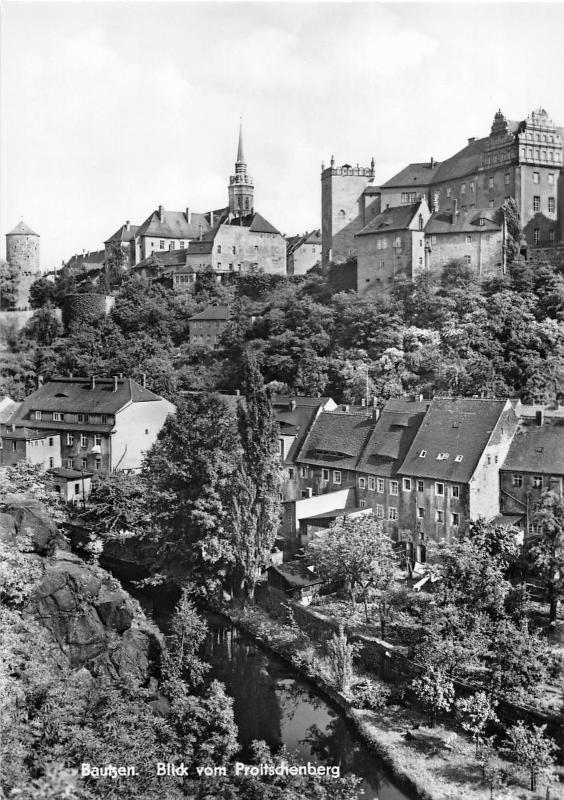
x=97 y=625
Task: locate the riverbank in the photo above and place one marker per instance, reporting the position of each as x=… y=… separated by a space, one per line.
x=435 y=764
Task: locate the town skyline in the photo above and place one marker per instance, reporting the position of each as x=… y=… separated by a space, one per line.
x=80 y=69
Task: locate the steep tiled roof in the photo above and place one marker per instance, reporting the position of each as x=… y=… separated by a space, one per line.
x=212 y=312
x=537 y=448
x=417 y=174
x=255 y=222
x=465 y=221
x=70 y=474
x=164 y=258
x=88 y=261
x=175 y=225
x=296 y=574
x=465 y=162
x=21 y=432
x=22 y=228
x=392 y=437
x=457 y=427
x=336 y=439
x=395 y=218
x=372 y=190
x=296 y=420
x=123 y=234
x=295 y=242
x=75 y=395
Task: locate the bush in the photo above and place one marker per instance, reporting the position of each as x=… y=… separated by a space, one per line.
x=371 y=695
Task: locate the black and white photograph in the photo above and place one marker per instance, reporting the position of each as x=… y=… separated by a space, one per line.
x=281 y=400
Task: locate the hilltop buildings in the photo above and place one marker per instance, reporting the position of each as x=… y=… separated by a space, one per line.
x=464 y=193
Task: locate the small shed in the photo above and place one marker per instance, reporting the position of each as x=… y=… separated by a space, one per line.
x=72 y=484
x=295 y=579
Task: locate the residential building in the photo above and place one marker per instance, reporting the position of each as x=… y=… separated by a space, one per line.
x=474 y=237
x=207 y=326
x=104 y=424
x=20 y=443
x=533 y=465
x=451 y=471
x=303 y=252
x=392 y=247
x=72 y=485
x=379 y=485
x=125 y=235
x=170 y=230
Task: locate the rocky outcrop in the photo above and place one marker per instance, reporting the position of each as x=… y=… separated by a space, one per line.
x=97 y=625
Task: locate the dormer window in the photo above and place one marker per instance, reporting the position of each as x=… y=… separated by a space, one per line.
x=38 y=415
x=458 y=459
x=442 y=457
x=422 y=453
x=482 y=222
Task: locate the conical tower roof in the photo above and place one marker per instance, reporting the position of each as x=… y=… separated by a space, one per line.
x=240 y=153
x=22 y=229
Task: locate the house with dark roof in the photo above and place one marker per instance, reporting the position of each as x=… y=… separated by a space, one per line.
x=533 y=465
x=391 y=247
x=21 y=443
x=303 y=252
x=207 y=326
x=473 y=237
x=104 y=424
x=378 y=483
x=450 y=473
x=87 y=263
x=170 y=230
x=125 y=237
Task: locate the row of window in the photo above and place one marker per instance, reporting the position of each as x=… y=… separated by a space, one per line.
x=379 y=484
x=81 y=463
x=442 y=456
x=537 y=236
x=83 y=439
x=59 y=416
x=517 y=481
x=234 y=249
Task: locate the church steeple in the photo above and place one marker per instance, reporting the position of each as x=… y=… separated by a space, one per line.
x=241 y=189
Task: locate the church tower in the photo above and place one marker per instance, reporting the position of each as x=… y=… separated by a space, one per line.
x=241 y=189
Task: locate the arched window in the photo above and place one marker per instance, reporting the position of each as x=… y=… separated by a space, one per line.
x=420 y=222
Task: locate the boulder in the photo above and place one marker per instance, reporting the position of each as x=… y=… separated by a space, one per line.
x=7 y=528
x=31 y=516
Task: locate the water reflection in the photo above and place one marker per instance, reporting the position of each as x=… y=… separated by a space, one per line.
x=271 y=704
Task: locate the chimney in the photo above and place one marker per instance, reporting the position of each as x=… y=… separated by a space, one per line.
x=211 y=219
x=188 y=216
x=539 y=417
x=115 y=383
x=432 y=163
x=471 y=139
x=127 y=224
x=454 y=210
x=92 y=381
x=375 y=414
x=161 y=213
x=144 y=380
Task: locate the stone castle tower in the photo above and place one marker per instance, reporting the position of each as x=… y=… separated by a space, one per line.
x=342 y=201
x=241 y=188
x=22 y=254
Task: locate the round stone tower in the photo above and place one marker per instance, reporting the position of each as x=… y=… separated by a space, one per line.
x=22 y=254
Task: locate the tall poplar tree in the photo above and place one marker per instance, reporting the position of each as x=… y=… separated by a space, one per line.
x=255 y=512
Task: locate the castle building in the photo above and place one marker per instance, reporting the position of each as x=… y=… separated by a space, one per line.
x=519 y=159
x=22 y=255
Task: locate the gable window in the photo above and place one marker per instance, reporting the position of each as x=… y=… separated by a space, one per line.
x=336 y=476
x=456 y=491
x=439 y=489
x=420 y=486
x=393 y=487
x=372 y=484
x=517 y=480
x=392 y=512
x=420 y=221
x=324 y=474
x=361 y=483
x=407 y=484
x=219 y=248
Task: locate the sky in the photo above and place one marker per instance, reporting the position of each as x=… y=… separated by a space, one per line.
x=109 y=109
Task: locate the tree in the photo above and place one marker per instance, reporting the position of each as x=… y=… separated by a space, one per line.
x=530 y=748
x=340 y=654
x=189 y=474
x=255 y=506
x=180 y=663
x=41 y=293
x=475 y=713
x=44 y=326
x=545 y=548
x=514 y=231
x=358 y=552
x=9 y=279
x=436 y=691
